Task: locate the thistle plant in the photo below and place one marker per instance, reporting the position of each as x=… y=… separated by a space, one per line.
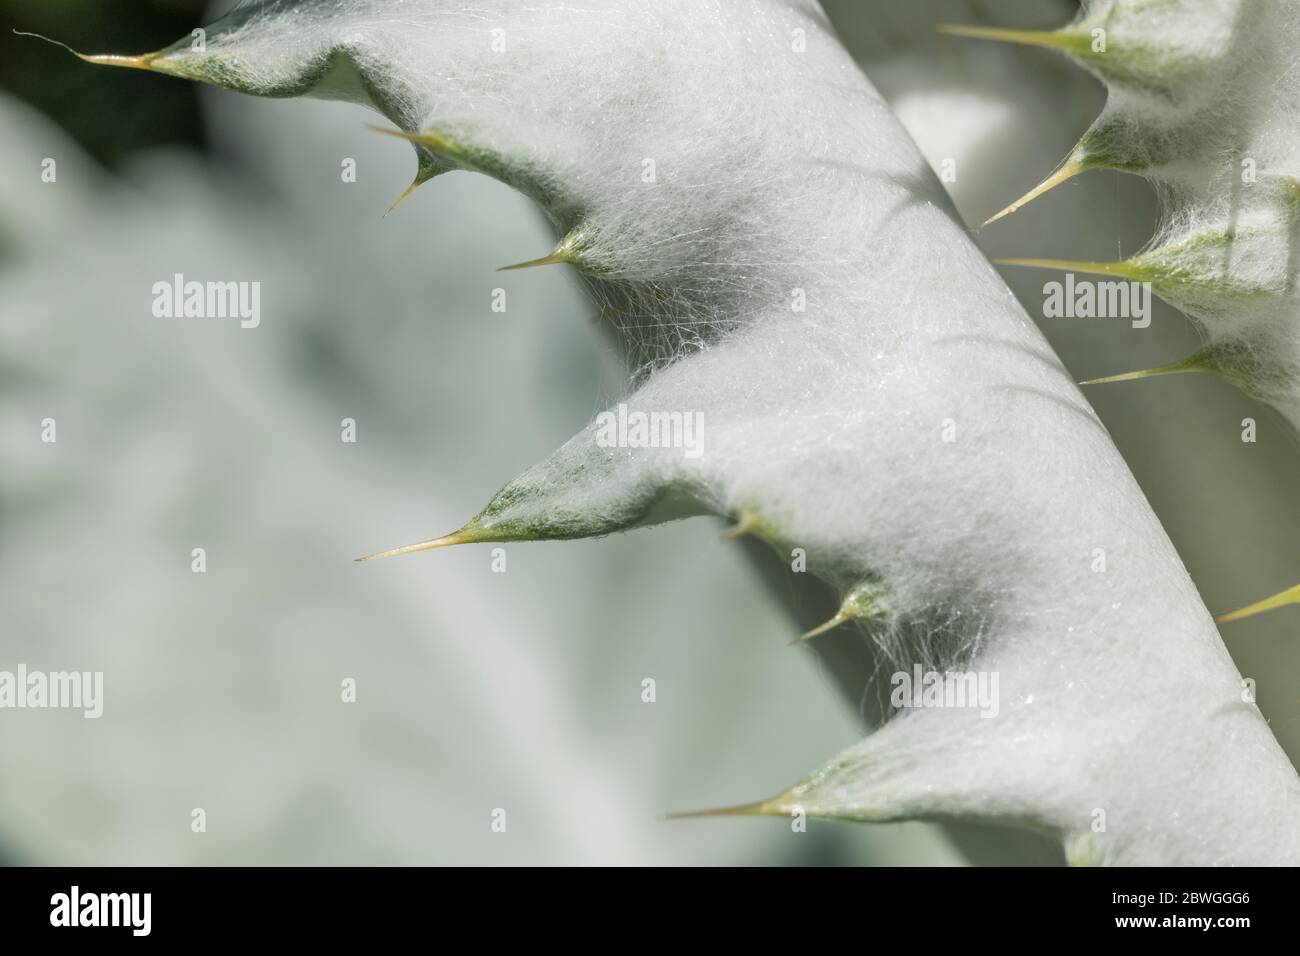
x=784 y=267
x=1203 y=103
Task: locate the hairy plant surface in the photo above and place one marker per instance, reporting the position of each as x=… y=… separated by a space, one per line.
x=1205 y=103
x=786 y=267
x=476 y=689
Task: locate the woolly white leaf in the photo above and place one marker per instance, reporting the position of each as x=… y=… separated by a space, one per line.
x=1203 y=102
x=710 y=165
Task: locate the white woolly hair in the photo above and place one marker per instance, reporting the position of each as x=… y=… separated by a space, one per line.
x=870 y=390
x=1204 y=101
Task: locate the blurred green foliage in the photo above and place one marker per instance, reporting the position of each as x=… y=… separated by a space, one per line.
x=111 y=113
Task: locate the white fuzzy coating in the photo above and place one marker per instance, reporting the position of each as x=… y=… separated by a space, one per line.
x=477 y=690
x=1218 y=137
x=909 y=426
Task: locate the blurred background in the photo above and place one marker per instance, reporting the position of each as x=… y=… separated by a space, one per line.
x=476 y=690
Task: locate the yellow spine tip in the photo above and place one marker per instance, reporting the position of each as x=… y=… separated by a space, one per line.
x=762 y=808
x=1173 y=368
x=555 y=258
x=447 y=540
x=821 y=629
x=1121 y=269
x=1290 y=596
x=143 y=61
x=1051 y=39
x=438 y=142
x=432 y=140
x=1066 y=172
x=404 y=196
